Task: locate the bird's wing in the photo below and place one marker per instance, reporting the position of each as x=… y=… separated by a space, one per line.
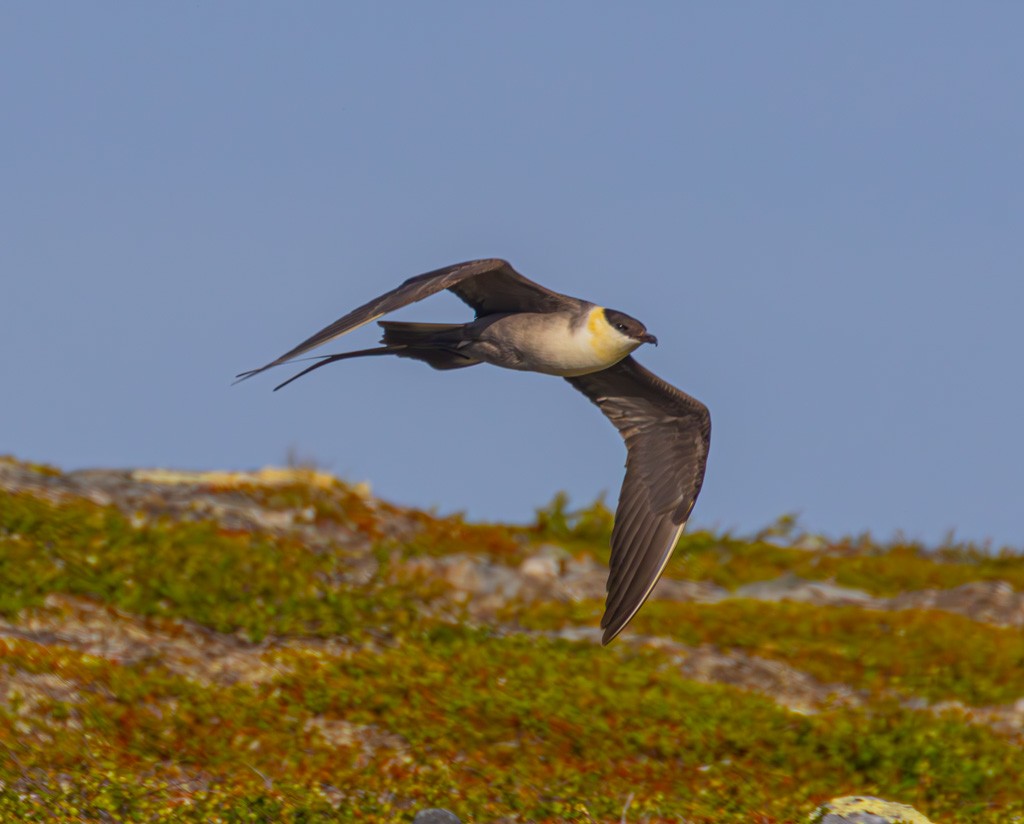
x=667 y=435
x=496 y=287
x=490 y=285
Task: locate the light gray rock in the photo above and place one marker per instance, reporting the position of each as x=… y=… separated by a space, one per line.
x=541 y=568
x=436 y=816
x=994 y=602
x=698 y=592
x=866 y=809
x=790 y=587
x=560 y=554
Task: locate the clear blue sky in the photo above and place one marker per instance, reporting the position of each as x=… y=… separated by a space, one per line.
x=818 y=208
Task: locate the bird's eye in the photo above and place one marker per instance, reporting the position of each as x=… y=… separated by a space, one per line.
x=621 y=327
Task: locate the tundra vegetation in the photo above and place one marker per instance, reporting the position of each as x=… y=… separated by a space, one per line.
x=284 y=646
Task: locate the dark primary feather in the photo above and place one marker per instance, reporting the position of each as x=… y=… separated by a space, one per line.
x=489 y=285
x=667 y=435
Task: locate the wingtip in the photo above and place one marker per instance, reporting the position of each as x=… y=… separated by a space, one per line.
x=612 y=628
x=617 y=614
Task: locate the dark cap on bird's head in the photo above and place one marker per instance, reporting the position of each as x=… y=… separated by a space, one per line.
x=629 y=326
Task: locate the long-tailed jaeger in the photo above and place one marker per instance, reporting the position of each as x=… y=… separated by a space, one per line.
x=522 y=325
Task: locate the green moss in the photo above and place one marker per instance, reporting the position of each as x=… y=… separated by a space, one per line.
x=486 y=726
x=38 y=468
x=880 y=569
x=934 y=655
x=421 y=713
x=338 y=503
x=452 y=534
x=588 y=527
x=227 y=580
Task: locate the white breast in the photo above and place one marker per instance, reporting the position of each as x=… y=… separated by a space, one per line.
x=556 y=347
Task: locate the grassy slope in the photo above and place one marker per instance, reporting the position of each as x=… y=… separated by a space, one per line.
x=409 y=708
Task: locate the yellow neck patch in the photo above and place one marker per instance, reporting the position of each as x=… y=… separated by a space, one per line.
x=604 y=340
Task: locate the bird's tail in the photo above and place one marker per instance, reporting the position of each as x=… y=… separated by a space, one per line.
x=323 y=360
x=438 y=344
x=397 y=333
x=432 y=343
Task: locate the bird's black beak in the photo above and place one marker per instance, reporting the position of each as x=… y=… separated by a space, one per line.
x=646 y=338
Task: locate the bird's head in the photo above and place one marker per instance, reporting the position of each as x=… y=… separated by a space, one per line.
x=629 y=328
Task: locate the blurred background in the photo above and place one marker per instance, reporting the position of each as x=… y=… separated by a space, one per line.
x=818 y=209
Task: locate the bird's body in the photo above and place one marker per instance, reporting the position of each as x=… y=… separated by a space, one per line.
x=554 y=343
x=524 y=326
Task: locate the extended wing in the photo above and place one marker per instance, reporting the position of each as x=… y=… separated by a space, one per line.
x=490 y=286
x=667 y=435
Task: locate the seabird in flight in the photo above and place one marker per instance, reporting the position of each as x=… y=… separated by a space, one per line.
x=522 y=325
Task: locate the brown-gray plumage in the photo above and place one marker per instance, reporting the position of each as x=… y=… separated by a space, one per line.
x=522 y=325
x=667 y=434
